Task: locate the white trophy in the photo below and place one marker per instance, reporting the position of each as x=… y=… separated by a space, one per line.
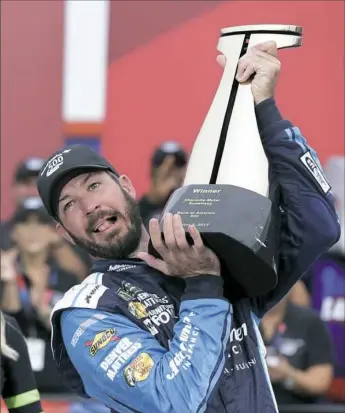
x=226 y=193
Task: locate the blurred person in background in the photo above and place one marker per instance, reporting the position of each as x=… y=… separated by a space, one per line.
x=168 y=166
x=24 y=186
x=299 y=353
x=71 y=258
x=323 y=286
x=18 y=385
x=32 y=282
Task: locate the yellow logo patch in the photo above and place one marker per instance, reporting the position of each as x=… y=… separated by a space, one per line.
x=138 y=310
x=139 y=369
x=101 y=340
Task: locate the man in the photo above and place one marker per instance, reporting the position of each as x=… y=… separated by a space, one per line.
x=32 y=283
x=299 y=353
x=158 y=336
x=71 y=258
x=325 y=282
x=23 y=187
x=168 y=166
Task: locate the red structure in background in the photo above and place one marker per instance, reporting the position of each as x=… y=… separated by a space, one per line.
x=31 y=84
x=163 y=75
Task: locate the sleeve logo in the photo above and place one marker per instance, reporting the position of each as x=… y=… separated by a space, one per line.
x=101 y=340
x=92 y=293
x=312 y=166
x=139 y=369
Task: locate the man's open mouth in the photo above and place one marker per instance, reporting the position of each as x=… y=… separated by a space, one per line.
x=104 y=224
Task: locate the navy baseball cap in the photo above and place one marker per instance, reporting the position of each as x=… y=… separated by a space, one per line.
x=171 y=148
x=29 y=168
x=64 y=165
x=32 y=206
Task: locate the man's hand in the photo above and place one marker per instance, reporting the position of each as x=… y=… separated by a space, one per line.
x=8 y=270
x=261 y=63
x=178 y=257
x=281 y=371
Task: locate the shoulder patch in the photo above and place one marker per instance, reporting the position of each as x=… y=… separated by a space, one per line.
x=315 y=170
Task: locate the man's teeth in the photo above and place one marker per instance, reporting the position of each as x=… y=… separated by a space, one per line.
x=102 y=226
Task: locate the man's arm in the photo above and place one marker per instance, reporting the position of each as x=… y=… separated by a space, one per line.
x=310 y=225
x=128 y=370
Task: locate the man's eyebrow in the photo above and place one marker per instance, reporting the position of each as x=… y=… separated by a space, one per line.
x=63 y=198
x=86 y=178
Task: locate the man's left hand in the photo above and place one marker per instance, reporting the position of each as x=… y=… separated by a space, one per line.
x=262 y=65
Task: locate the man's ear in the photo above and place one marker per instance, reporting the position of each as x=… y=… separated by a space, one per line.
x=61 y=231
x=127 y=185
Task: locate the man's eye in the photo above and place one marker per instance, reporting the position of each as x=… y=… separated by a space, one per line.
x=93 y=186
x=68 y=205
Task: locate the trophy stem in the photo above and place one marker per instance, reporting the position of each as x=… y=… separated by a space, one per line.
x=228 y=113
x=243 y=149
x=228 y=149
x=242 y=162
x=204 y=161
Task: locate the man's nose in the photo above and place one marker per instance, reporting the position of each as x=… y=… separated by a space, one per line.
x=90 y=205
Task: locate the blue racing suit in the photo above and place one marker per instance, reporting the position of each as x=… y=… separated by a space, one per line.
x=140 y=341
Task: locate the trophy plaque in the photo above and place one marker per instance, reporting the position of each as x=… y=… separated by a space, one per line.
x=226 y=192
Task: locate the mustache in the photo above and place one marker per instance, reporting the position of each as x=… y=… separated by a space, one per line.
x=96 y=216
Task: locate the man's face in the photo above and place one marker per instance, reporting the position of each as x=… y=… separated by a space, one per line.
x=167 y=177
x=101 y=215
x=32 y=235
x=178 y=172
x=24 y=189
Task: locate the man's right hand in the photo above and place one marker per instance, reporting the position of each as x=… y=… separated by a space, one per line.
x=179 y=258
x=8 y=269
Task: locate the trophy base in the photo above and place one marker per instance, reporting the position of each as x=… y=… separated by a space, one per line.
x=240 y=226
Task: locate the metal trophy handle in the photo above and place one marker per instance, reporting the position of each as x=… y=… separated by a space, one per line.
x=231 y=121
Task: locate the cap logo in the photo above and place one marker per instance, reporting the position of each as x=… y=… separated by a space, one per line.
x=33 y=203
x=54 y=163
x=34 y=164
x=170 y=147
